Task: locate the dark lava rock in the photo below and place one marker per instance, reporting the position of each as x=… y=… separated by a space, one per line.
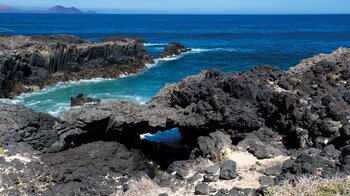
x=303 y=164
x=195 y=179
x=93 y=159
x=344 y=159
x=80 y=100
x=211 y=173
x=214 y=145
x=269 y=111
x=202 y=189
x=20 y=124
x=242 y=192
x=331 y=151
x=258 y=150
x=210 y=178
x=30 y=63
x=273 y=171
x=58 y=38
x=266 y=181
x=92 y=167
x=173 y=49
x=228 y=170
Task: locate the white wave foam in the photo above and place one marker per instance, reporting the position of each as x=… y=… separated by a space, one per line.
x=134 y=98
x=126 y=75
x=195 y=51
x=171 y=137
x=10 y=101
x=61 y=85
x=150 y=65
x=57 y=109
x=5 y=30
x=173 y=58
x=200 y=50
x=86 y=81
x=154 y=44
x=33 y=103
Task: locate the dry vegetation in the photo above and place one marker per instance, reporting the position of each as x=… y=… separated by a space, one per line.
x=312 y=186
x=142 y=187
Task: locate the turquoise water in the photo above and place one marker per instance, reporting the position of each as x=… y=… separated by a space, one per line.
x=225 y=42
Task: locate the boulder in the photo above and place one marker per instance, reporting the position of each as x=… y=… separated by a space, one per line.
x=344 y=159
x=214 y=146
x=80 y=100
x=228 y=170
x=173 y=49
x=202 y=189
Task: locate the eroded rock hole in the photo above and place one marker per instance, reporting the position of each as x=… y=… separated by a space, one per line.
x=164 y=147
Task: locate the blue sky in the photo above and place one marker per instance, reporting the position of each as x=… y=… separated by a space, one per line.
x=195 y=6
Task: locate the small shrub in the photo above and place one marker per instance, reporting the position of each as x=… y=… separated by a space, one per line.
x=312 y=186
x=142 y=187
x=2 y=151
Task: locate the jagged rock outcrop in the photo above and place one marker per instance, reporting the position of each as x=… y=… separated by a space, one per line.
x=80 y=100
x=30 y=63
x=173 y=49
x=259 y=127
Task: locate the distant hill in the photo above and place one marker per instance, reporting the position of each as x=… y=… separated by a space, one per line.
x=4 y=7
x=58 y=9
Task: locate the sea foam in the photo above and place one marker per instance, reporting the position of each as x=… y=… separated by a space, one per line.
x=170 y=137
x=154 y=44
x=201 y=50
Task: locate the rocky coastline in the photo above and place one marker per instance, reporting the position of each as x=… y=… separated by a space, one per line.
x=30 y=63
x=241 y=133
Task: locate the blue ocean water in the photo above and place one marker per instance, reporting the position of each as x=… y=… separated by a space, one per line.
x=225 y=42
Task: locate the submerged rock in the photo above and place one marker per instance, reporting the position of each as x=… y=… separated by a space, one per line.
x=80 y=100
x=173 y=49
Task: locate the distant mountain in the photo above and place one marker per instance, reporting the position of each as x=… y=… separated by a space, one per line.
x=4 y=7
x=58 y=9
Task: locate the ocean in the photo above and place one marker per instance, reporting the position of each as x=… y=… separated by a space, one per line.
x=225 y=42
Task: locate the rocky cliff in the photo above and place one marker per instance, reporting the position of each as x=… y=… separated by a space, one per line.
x=241 y=132
x=30 y=63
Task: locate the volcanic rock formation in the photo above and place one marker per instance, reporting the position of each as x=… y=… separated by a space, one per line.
x=173 y=49
x=30 y=63
x=240 y=133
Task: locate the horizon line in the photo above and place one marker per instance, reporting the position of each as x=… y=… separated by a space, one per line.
x=101 y=13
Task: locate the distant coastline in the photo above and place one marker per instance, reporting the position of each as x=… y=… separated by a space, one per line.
x=58 y=9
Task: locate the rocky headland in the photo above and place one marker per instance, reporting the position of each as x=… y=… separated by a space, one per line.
x=241 y=133
x=30 y=63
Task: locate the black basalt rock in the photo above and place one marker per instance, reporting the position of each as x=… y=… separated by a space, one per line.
x=173 y=49
x=80 y=100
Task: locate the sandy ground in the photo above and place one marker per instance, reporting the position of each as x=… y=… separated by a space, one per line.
x=248 y=168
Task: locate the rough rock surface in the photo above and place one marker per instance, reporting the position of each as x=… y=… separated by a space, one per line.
x=274 y=125
x=29 y=63
x=173 y=49
x=80 y=100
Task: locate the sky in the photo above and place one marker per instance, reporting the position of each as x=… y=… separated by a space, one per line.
x=194 y=6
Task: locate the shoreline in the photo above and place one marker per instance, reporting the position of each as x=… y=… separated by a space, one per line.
x=240 y=132
x=47 y=60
